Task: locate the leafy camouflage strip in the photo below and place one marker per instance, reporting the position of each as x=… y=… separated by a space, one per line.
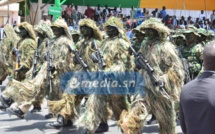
x=132 y=121
x=156 y=24
x=96 y=111
x=115 y=22
x=64 y=107
x=90 y=23
x=29 y=28
x=44 y=29
x=138 y=29
x=60 y=22
x=25 y=91
x=162 y=56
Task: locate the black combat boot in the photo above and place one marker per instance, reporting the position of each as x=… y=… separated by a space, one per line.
x=0 y=82
x=5 y=103
x=49 y=116
x=36 y=109
x=103 y=127
x=60 y=123
x=18 y=112
x=152 y=120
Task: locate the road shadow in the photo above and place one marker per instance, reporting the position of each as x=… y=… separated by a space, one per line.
x=150 y=129
x=25 y=127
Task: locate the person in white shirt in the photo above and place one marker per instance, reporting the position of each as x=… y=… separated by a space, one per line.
x=202 y=15
x=213 y=16
x=45 y=20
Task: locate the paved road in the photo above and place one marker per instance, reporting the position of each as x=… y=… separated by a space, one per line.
x=36 y=124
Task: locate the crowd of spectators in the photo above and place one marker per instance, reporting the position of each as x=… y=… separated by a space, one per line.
x=137 y=16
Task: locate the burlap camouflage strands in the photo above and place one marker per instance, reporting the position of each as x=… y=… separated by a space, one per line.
x=90 y=23
x=45 y=30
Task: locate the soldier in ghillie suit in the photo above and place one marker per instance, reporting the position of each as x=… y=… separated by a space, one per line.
x=60 y=57
x=138 y=38
x=75 y=36
x=163 y=58
x=115 y=50
x=7 y=44
x=26 y=95
x=65 y=109
x=192 y=51
x=24 y=52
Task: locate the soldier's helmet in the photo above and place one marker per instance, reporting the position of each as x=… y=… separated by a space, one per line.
x=115 y=22
x=90 y=23
x=202 y=31
x=138 y=29
x=191 y=29
x=157 y=25
x=28 y=27
x=179 y=33
x=44 y=29
x=60 y=23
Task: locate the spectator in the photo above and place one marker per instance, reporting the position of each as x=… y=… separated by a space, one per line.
x=174 y=22
x=115 y=12
x=45 y=20
x=197 y=101
x=68 y=10
x=106 y=11
x=147 y=15
x=189 y=20
x=155 y=12
x=181 y=25
x=213 y=16
x=163 y=13
x=202 y=15
x=183 y=21
x=197 y=21
x=89 y=12
x=14 y=24
x=144 y=11
x=98 y=12
x=133 y=13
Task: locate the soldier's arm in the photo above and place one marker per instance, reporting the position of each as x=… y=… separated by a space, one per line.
x=27 y=55
x=172 y=69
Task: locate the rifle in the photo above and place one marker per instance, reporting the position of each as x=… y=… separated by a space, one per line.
x=35 y=60
x=50 y=66
x=80 y=61
x=145 y=65
x=185 y=65
x=99 y=57
x=17 y=64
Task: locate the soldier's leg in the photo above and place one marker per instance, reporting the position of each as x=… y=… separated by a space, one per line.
x=65 y=109
x=96 y=113
x=132 y=121
x=164 y=111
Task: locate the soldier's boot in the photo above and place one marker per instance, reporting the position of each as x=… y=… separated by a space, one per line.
x=5 y=103
x=36 y=109
x=152 y=120
x=60 y=123
x=103 y=127
x=0 y=82
x=15 y=111
x=49 y=116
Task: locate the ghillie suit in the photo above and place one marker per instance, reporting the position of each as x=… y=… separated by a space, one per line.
x=115 y=51
x=139 y=37
x=26 y=47
x=68 y=105
x=162 y=56
x=61 y=56
x=6 y=58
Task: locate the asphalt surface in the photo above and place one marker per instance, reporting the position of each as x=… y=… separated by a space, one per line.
x=37 y=124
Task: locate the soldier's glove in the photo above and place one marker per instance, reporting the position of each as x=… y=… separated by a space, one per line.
x=137 y=65
x=19 y=69
x=94 y=58
x=52 y=69
x=14 y=51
